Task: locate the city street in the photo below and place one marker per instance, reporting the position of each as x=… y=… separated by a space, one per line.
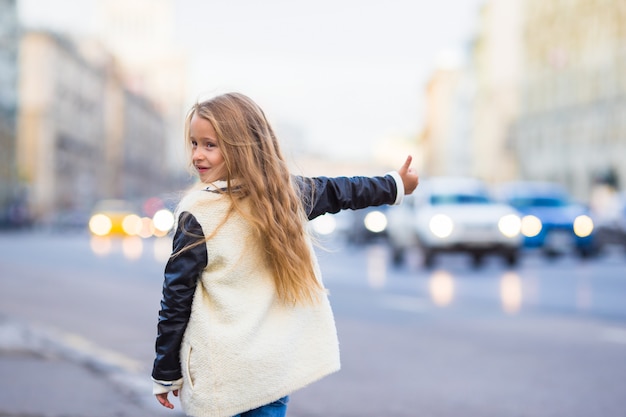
x=547 y=338
x=509 y=115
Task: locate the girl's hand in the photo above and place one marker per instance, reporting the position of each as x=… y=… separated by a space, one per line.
x=409 y=176
x=162 y=399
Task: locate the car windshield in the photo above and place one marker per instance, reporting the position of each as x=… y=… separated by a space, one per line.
x=537 y=202
x=438 y=199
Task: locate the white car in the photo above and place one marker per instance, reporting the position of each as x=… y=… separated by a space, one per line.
x=610 y=219
x=454 y=214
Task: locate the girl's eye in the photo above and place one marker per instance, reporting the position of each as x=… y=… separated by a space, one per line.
x=194 y=143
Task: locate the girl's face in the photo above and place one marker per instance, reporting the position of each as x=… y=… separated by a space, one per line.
x=206 y=155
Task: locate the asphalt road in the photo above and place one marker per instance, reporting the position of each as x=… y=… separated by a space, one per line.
x=543 y=339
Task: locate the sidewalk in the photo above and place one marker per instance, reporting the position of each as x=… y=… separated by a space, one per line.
x=42 y=377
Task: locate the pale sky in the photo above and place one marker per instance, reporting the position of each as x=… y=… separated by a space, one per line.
x=343 y=76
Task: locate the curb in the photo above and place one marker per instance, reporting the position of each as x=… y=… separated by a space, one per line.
x=122 y=372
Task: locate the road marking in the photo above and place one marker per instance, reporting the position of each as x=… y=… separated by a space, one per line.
x=49 y=340
x=405 y=303
x=90 y=351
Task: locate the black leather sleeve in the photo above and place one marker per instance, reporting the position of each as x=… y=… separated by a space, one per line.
x=331 y=195
x=181 y=277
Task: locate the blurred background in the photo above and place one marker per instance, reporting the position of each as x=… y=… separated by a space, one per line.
x=514 y=112
x=94 y=92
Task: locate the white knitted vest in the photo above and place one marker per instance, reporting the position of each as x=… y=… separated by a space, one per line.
x=242 y=348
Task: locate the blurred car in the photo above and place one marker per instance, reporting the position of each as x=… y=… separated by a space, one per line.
x=610 y=221
x=122 y=218
x=366 y=225
x=353 y=226
x=551 y=221
x=454 y=214
x=114 y=218
x=331 y=226
x=75 y=219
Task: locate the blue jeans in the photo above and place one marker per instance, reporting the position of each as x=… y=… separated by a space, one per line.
x=276 y=409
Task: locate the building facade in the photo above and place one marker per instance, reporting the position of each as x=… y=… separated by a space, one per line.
x=76 y=123
x=11 y=195
x=446 y=138
x=140 y=34
x=60 y=126
x=572 y=122
x=497 y=61
x=144 y=151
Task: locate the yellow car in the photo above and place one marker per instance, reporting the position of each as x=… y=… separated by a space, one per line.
x=113 y=218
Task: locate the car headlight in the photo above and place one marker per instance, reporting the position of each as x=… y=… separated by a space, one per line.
x=583 y=225
x=131 y=224
x=441 y=225
x=324 y=225
x=375 y=221
x=163 y=220
x=510 y=225
x=100 y=224
x=531 y=226
x=147 y=228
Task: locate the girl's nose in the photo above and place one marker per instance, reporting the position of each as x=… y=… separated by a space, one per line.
x=197 y=155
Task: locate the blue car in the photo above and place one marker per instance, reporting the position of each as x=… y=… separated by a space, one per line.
x=551 y=221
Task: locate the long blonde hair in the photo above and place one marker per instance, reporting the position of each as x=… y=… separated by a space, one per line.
x=257 y=171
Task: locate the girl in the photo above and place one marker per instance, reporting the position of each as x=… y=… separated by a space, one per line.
x=244 y=317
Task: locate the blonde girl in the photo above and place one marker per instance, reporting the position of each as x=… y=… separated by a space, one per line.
x=244 y=319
